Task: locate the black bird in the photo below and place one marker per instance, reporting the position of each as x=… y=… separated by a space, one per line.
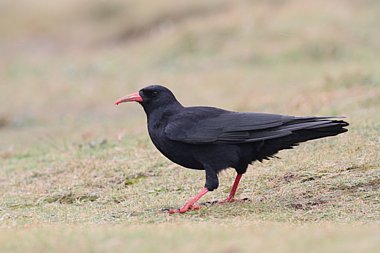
x=213 y=139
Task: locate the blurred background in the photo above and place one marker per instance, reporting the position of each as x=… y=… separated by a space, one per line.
x=70 y=158
x=63 y=63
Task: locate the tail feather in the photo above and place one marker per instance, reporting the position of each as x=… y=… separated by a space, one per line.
x=301 y=132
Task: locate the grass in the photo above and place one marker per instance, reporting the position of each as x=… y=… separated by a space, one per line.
x=79 y=175
x=227 y=237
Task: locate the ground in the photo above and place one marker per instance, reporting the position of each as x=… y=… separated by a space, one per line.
x=79 y=174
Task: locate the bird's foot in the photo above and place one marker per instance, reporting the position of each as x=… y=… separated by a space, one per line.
x=194 y=207
x=227 y=200
x=190 y=204
x=184 y=209
x=231 y=200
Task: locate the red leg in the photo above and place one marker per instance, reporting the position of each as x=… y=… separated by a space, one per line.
x=189 y=205
x=231 y=197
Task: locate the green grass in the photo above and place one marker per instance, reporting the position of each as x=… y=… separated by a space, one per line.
x=78 y=174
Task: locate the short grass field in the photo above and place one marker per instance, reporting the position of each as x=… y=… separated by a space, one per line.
x=78 y=174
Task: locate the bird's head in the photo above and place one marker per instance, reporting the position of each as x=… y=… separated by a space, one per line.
x=150 y=97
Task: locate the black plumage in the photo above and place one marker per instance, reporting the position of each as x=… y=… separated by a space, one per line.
x=213 y=139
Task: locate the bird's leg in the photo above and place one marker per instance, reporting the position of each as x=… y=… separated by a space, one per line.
x=211 y=184
x=231 y=197
x=189 y=205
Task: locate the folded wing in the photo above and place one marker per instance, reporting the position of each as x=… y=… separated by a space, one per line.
x=207 y=125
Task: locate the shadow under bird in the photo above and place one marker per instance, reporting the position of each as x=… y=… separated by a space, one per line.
x=213 y=139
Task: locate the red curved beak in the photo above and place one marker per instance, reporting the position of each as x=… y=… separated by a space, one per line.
x=134 y=97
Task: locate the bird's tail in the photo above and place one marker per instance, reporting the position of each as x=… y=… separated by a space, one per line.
x=318 y=128
x=303 y=129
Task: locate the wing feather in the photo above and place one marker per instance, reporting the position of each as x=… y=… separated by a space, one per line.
x=206 y=125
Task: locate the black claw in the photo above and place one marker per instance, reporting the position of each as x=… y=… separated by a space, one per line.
x=166 y=210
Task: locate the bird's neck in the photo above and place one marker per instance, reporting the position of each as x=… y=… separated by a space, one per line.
x=161 y=113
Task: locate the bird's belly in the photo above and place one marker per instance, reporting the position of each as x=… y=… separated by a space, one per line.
x=178 y=153
x=185 y=161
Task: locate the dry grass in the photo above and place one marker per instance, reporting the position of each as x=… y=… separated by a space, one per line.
x=70 y=160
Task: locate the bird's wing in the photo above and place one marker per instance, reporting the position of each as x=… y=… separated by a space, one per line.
x=204 y=125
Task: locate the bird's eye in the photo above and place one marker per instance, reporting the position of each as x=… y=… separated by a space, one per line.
x=150 y=93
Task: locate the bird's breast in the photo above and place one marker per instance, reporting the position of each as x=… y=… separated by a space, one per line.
x=175 y=151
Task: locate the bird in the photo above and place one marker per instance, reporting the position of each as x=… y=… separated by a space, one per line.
x=213 y=139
